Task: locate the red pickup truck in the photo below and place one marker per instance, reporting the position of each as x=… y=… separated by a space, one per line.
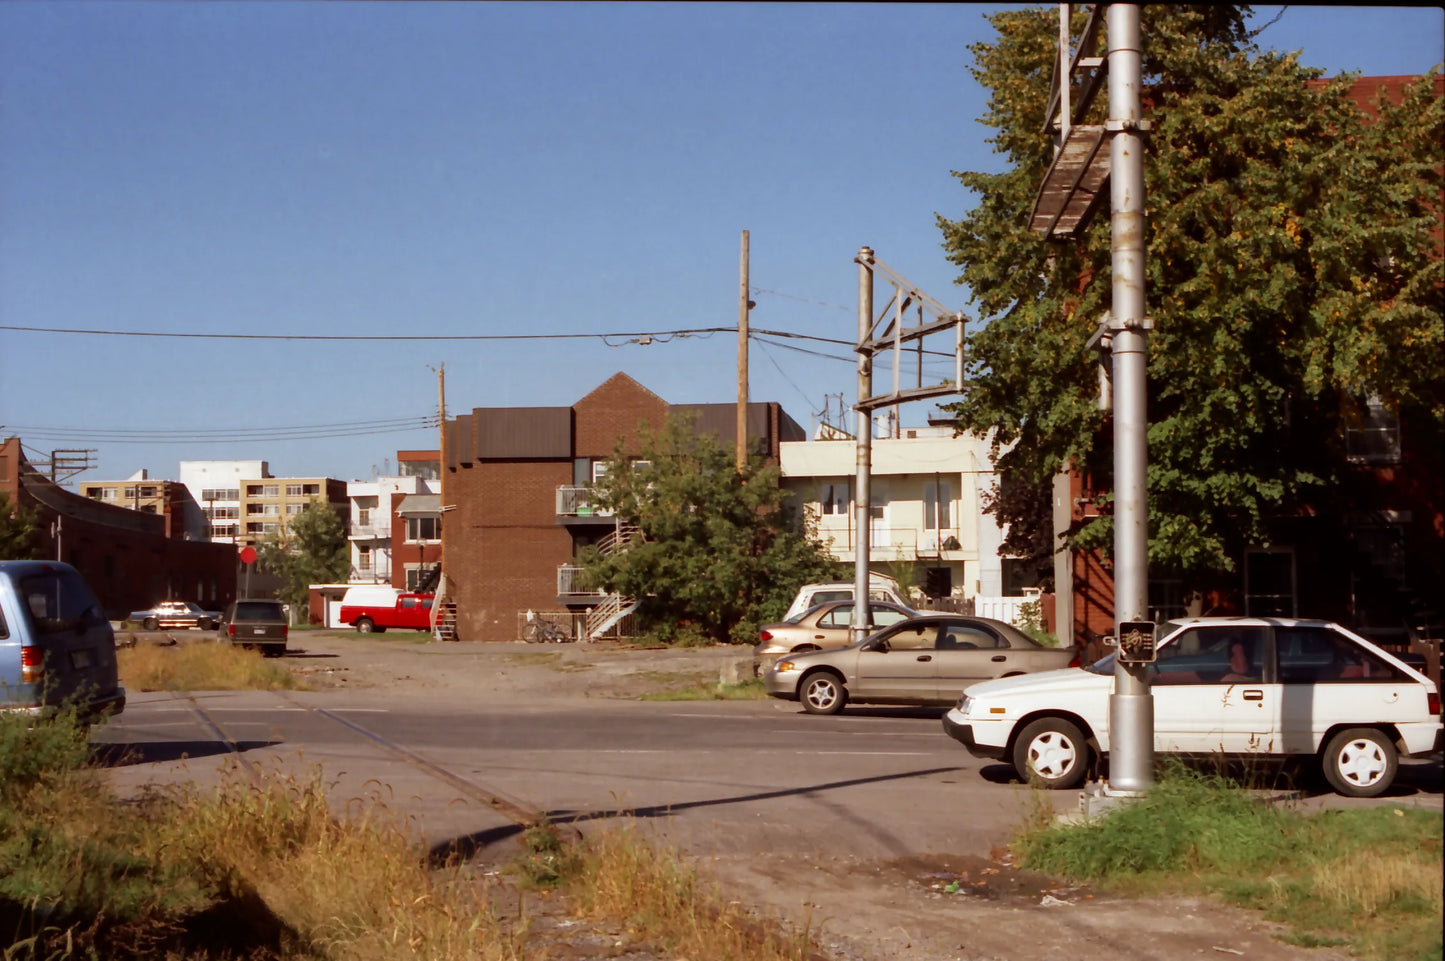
x=377 y=608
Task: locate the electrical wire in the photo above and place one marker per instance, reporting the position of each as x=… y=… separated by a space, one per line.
x=189 y=335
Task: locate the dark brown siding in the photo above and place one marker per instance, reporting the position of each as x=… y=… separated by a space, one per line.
x=522 y=433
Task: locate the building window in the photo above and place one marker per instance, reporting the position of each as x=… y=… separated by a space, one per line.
x=254 y=510
x=423 y=528
x=425 y=469
x=834 y=498
x=95 y=493
x=253 y=527
x=293 y=490
x=416 y=575
x=270 y=510
x=147 y=492
x=310 y=490
x=363 y=558
x=268 y=528
x=937 y=505
x=294 y=509
x=1372 y=435
x=221 y=493
x=363 y=517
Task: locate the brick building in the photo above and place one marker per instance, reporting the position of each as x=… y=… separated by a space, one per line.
x=515 y=481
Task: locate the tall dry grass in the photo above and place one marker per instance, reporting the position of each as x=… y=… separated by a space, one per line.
x=202 y=666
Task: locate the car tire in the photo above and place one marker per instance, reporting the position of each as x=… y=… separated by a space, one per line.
x=1052 y=753
x=822 y=692
x=364 y=625
x=205 y=624
x=1360 y=762
x=150 y=623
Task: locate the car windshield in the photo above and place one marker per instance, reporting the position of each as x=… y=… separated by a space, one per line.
x=259 y=611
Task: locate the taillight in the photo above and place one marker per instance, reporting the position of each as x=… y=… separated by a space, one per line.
x=32 y=665
x=285 y=630
x=1078 y=659
x=765 y=635
x=1434 y=702
x=231 y=630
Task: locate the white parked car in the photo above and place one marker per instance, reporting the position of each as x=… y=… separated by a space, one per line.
x=1261 y=687
x=881 y=587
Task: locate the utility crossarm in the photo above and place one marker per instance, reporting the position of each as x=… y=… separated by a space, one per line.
x=894 y=335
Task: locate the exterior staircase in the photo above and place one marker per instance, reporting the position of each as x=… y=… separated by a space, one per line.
x=608 y=612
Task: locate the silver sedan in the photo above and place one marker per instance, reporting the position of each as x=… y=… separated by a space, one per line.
x=923 y=660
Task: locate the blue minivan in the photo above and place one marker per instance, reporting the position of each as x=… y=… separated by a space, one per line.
x=56 y=646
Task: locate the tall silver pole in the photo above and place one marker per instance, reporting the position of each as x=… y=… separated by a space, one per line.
x=1131 y=706
x=863 y=446
x=743 y=305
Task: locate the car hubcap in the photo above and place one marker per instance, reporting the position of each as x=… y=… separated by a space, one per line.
x=1051 y=755
x=1361 y=763
x=820 y=694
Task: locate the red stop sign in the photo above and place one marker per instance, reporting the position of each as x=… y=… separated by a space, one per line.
x=248 y=555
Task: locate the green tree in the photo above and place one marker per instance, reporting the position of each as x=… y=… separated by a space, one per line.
x=311 y=549
x=1290 y=268
x=18 y=540
x=720 y=553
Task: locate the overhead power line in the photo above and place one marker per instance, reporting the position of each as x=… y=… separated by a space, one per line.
x=123 y=435
x=191 y=335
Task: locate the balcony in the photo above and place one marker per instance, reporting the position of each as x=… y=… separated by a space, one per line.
x=895 y=543
x=572 y=583
x=574 y=506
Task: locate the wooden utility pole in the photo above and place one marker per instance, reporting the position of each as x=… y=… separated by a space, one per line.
x=441 y=465
x=744 y=305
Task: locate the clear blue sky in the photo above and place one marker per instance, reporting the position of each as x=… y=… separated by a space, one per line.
x=467 y=168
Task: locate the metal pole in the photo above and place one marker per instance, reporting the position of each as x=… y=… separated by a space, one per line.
x=1131 y=706
x=743 y=305
x=863 y=445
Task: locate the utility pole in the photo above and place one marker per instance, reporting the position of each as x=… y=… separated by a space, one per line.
x=1131 y=707
x=744 y=305
x=863 y=447
x=441 y=473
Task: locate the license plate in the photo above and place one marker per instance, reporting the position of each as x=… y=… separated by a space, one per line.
x=80 y=660
x=258 y=630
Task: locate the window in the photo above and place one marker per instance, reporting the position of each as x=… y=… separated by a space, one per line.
x=834 y=498
x=254 y=510
x=937 y=505
x=293 y=509
x=423 y=528
x=363 y=517
x=268 y=528
x=253 y=490
x=130 y=493
x=967 y=637
x=95 y=493
x=363 y=558
x=147 y=492
x=293 y=490
x=426 y=469
x=310 y=490
x=222 y=493
x=271 y=490
x=253 y=527
x=271 y=510
x=416 y=575
x=1373 y=434
x=919 y=637
x=1214 y=655
x=1318 y=655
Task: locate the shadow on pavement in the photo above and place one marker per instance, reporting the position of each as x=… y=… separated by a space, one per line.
x=153 y=752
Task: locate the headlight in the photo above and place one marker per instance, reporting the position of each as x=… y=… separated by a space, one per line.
x=965 y=704
x=784 y=666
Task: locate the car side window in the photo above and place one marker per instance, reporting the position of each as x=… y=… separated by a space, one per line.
x=884 y=616
x=966 y=637
x=1318 y=655
x=916 y=638
x=837 y=617
x=1211 y=655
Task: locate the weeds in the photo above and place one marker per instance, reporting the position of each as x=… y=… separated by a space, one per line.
x=1368 y=877
x=700 y=690
x=201 y=666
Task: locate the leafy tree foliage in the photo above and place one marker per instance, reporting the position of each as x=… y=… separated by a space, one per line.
x=18 y=541
x=1290 y=268
x=719 y=553
x=311 y=549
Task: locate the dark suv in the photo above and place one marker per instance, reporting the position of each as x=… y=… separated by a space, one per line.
x=256 y=623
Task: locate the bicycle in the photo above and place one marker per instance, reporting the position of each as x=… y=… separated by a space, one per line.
x=543 y=631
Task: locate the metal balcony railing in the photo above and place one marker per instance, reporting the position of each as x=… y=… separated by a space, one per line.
x=574 y=501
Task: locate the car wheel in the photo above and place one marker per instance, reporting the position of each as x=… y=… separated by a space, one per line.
x=1360 y=762
x=1052 y=753
x=204 y=624
x=823 y=693
x=150 y=623
x=364 y=625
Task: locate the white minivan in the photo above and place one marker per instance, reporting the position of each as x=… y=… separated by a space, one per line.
x=881 y=587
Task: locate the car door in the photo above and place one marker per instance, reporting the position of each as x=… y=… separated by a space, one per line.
x=1326 y=678
x=1205 y=704
x=968 y=652
x=900 y=669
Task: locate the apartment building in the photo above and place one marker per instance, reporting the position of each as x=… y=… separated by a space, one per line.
x=926 y=518
x=516 y=482
x=169 y=499
x=267 y=504
x=396 y=523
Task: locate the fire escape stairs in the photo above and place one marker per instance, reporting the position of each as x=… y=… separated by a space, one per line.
x=613 y=607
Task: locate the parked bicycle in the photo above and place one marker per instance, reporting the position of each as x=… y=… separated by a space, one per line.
x=539 y=630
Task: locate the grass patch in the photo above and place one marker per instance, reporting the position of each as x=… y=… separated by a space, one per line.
x=202 y=666
x=700 y=690
x=1369 y=878
x=268 y=872
x=668 y=905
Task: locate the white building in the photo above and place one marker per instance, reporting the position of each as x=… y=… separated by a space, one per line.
x=215 y=486
x=373 y=505
x=926 y=516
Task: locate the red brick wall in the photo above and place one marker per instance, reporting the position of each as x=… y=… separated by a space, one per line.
x=504 y=544
x=615 y=409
